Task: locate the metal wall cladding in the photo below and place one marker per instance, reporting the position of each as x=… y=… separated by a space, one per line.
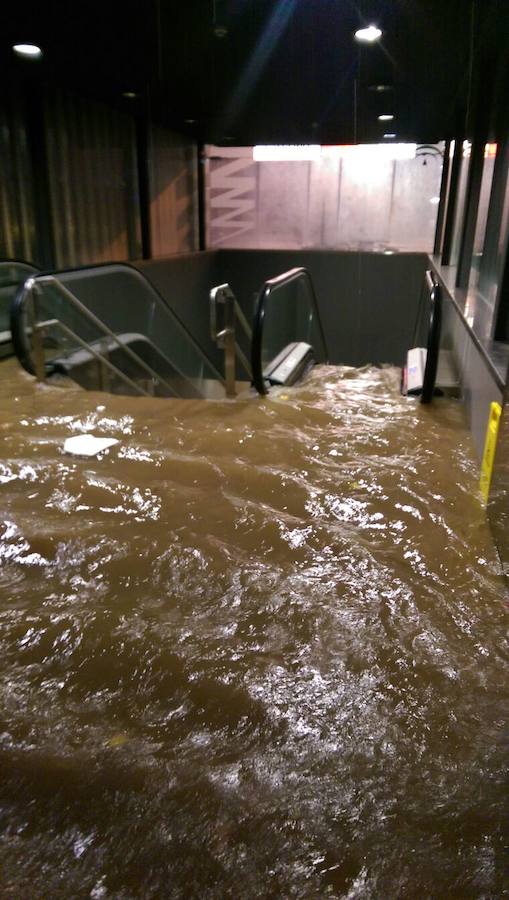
x=91 y=154
x=17 y=218
x=173 y=193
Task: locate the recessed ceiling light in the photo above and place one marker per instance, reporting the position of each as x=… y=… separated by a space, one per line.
x=369 y=34
x=130 y=95
x=220 y=31
x=380 y=88
x=389 y=135
x=31 y=50
x=385 y=118
x=190 y=121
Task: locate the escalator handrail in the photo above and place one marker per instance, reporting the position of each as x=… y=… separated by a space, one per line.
x=17 y=262
x=157 y=294
x=20 y=343
x=265 y=292
x=434 y=334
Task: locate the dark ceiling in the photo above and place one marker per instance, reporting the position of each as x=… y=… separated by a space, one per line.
x=264 y=71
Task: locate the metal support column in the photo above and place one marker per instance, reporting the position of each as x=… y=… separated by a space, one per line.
x=142 y=154
x=202 y=241
x=444 y=184
x=471 y=207
x=452 y=201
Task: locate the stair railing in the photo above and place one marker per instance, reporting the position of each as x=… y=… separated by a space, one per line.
x=224 y=337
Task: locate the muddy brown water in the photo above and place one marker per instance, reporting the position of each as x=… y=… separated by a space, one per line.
x=257 y=649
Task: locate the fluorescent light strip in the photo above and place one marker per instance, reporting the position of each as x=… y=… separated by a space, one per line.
x=287 y=152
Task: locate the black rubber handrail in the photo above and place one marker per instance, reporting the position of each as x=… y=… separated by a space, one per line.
x=269 y=286
x=20 y=342
x=4 y=261
x=434 y=334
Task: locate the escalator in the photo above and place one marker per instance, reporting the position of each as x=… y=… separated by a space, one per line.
x=107 y=328
x=13 y=273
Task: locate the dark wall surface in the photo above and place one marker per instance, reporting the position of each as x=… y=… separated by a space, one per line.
x=185 y=281
x=368 y=301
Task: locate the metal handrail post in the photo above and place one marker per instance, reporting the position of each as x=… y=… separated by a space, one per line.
x=225 y=339
x=37 y=339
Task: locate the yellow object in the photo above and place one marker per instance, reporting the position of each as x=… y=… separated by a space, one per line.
x=489 y=449
x=118 y=740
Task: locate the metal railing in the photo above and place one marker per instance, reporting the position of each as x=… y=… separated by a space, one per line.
x=434 y=334
x=268 y=288
x=225 y=337
x=33 y=287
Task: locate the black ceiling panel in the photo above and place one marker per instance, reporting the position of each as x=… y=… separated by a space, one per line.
x=261 y=71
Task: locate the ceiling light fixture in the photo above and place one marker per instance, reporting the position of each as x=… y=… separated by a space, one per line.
x=389 y=135
x=369 y=34
x=380 y=88
x=129 y=95
x=385 y=118
x=29 y=50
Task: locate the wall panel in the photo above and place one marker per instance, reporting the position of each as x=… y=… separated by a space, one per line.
x=93 y=182
x=173 y=193
x=17 y=219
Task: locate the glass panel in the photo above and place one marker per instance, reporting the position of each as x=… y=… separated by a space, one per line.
x=490 y=151
x=128 y=306
x=460 y=202
x=290 y=315
x=500 y=284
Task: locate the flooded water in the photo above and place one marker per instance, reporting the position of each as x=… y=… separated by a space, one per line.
x=255 y=650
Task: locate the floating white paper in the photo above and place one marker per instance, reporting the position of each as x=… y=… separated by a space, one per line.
x=87 y=444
